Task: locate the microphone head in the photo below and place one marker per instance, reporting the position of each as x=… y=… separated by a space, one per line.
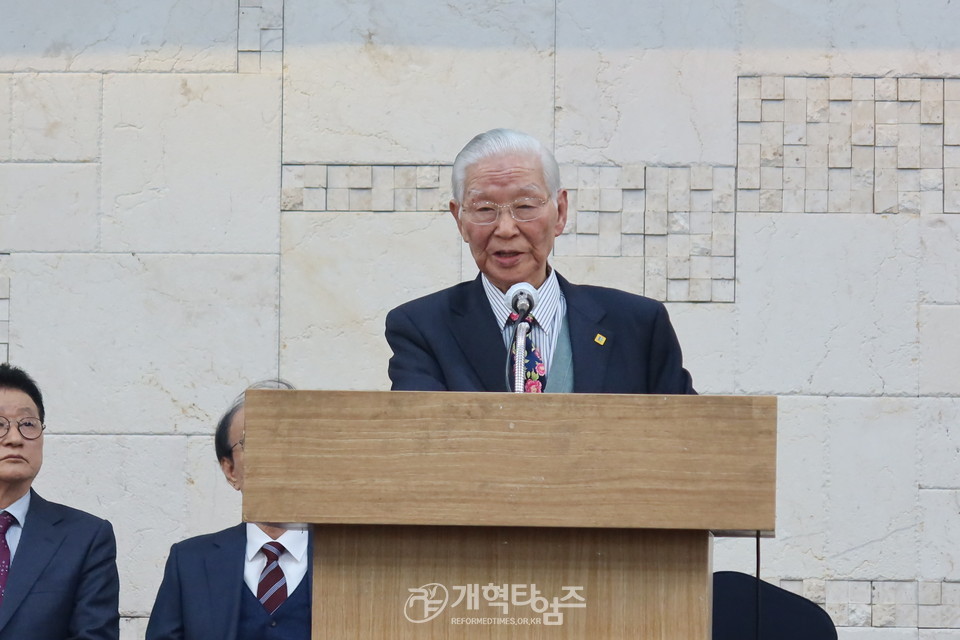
x=522 y=298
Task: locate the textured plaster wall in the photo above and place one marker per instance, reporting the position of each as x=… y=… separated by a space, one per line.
x=194 y=196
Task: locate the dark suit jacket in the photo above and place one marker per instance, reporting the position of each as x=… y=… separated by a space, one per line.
x=199 y=598
x=450 y=341
x=63 y=582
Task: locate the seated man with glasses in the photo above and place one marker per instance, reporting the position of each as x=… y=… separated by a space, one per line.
x=58 y=565
x=509 y=207
x=248 y=582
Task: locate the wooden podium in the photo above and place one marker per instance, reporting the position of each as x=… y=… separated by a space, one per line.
x=488 y=515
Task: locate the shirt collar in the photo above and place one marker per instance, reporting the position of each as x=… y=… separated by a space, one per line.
x=293 y=540
x=547 y=307
x=19 y=508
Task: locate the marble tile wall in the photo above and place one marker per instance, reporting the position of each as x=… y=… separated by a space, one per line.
x=848 y=144
x=194 y=196
x=884 y=603
x=260 y=36
x=679 y=220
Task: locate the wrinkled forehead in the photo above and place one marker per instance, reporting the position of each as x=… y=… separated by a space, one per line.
x=519 y=173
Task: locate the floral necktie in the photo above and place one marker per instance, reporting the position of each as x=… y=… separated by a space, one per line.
x=534 y=369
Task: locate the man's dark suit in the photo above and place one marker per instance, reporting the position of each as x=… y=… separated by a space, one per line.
x=450 y=341
x=63 y=581
x=199 y=598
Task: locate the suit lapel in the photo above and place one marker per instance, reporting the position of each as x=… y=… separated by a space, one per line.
x=39 y=541
x=590 y=358
x=476 y=331
x=223 y=567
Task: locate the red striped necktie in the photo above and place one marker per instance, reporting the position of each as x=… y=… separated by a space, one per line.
x=272 y=588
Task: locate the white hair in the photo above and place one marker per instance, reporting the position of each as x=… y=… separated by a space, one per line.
x=500 y=141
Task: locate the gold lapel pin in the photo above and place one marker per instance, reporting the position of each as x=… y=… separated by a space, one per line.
x=600 y=339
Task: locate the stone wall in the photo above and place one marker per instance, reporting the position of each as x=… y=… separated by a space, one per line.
x=195 y=196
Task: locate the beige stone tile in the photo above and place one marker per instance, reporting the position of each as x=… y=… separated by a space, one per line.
x=114 y=36
x=771 y=87
x=5 y=110
x=818 y=89
x=248 y=32
x=159 y=192
x=608 y=178
x=818 y=110
x=887 y=333
x=795 y=111
x=771 y=110
x=931 y=202
x=588 y=244
x=588 y=222
x=678 y=222
x=55 y=117
x=162 y=335
x=793 y=201
x=48 y=207
x=908 y=89
x=795 y=88
x=621 y=273
x=939 y=353
x=327 y=51
x=632 y=176
x=863 y=89
x=670 y=125
x=330 y=315
x=748 y=200
x=931 y=101
x=840 y=88
x=248 y=62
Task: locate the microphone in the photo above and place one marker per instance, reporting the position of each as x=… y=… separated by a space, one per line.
x=522 y=298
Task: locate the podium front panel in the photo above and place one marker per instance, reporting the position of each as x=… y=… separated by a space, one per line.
x=467 y=583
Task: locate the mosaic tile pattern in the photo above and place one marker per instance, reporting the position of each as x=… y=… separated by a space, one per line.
x=882 y=603
x=848 y=145
x=680 y=220
x=365 y=188
x=260 y=36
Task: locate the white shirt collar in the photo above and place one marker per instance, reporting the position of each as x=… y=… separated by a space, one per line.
x=294 y=540
x=19 y=508
x=548 y=306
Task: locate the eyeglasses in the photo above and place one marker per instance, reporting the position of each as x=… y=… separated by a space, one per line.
x=238 y=443
x=29 y=428
x=521 y=210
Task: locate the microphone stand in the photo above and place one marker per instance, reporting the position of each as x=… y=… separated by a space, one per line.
x=522 y=298
x=520 y=348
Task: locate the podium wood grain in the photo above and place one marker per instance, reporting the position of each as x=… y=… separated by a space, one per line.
x=633 y=582
x=614 y=494
x=570 y=460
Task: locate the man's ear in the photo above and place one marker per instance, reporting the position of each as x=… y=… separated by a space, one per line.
x=229 y=472
x=455 y=212
x=562 y=204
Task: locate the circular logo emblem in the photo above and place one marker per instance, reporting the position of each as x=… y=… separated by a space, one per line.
x=425 y=603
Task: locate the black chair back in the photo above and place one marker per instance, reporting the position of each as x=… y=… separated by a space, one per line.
x=783 y=615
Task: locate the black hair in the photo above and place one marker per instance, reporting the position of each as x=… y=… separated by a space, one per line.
x=12 y=377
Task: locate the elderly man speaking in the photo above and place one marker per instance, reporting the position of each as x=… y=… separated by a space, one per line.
x=509 y=208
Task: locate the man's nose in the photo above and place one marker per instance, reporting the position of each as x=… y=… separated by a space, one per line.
x=505 y=224
x=12 y=436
